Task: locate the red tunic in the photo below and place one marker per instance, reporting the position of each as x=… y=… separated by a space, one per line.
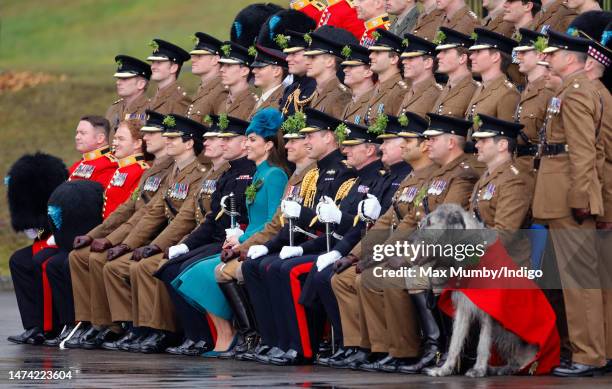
x=98 y=165
x=381 y=21
x=342 y=13
x=123 y=182
x=518 y=304
x=311 y=8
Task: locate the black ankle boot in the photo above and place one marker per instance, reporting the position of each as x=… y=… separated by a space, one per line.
x=431 y=335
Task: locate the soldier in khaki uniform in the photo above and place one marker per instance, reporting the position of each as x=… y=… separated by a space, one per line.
x=118 y=224
x=502 y=197
x=453 y=182
x=150 y=299
x=458 y=16
x=269 y=70
x=521 y=13
x=390 y=89
x=418 y=65
x=452 y=47
x=235 y=61
x=568 y=199
x=323 y=55
x=358 y=77
x=166 y=62
x=429 y=20
x=205 y=64
x=554 y=15
x=402 y=336
x=531 y=110
x=407 y=14
x=132 y=77
x=494 y=21
x=120 y=256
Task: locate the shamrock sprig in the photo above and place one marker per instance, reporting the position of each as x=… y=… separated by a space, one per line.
x=405 y=42
x=294 y=123
x=341 y=132
x=308 y=38
x=376 y=35
x=346 y=52
x=540 y=44
x=252 y=189
x=226 y=49
x=154 y=45
x=207 y=121
x=223 y=121
x=169 y=121
x=380 y=124
x=477 y=121
x=282 y=41
x=440 y=37
x=403 y=120
x=252 y=51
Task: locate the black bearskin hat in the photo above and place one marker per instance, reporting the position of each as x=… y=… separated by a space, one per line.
x=288 y=19
x=249 y=20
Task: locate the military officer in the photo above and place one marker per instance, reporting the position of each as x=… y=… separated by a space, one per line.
x=342 y=14
x=359 y=77
x=403 y=338
x=132 y=78
x=494 y=21
x=458 y=16
x=235 y=61
x=322 y=58
x=166 y=62
x=92 y=141
x=429 y=20
x=116 y=227
x=373 y=15
x=452 y=47
x=568 y=198
x=531 y=110
x=554 y=15
x=407 y=13
x=451 y=183
x=205 y=64
x=208 y=237
x=418 y=64
x=385 y=63
x=327 y=179
x=269 y=70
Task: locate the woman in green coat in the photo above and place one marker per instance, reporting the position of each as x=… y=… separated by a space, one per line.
x=197 y=283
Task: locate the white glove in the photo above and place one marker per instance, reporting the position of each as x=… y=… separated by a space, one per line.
x=257 y=251
x=290 y=252
x=291 y=209
x=177 y=250
x=51 y=240
x=324 y=260
x=328 y=211
x=31 y=233
x=369 y=207
x=235 y=232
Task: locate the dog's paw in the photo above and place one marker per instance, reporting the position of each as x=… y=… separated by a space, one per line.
x=476 y=373
x=501 y=370
x=438 y=371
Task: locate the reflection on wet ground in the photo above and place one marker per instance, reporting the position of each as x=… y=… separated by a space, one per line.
x=105 y=369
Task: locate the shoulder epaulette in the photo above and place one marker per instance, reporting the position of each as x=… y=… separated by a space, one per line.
x=438 y=86
x=342 y=87
x=514 y=170
x=472 y=14
x=509 y=84
x=402 y=84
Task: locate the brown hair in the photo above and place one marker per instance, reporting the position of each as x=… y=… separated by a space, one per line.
x=278 y=155
x=99 y=123
x=134 y=126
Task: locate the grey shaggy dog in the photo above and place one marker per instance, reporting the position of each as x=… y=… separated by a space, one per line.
x=442 y=227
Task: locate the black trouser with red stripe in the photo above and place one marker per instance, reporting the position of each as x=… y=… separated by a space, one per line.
x=323 y=293
x=195 y=324
x=26 y=272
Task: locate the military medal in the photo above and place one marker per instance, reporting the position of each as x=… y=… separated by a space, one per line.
x=152 y=184
x=555 y=106
x=118 y=179
x=209 y=186
x=357 y=119
x=489 y=192
x=412 y=191
x=381 y=108
x=363 y=189
x=441 y=187
x=84 y=171
x=179 y=191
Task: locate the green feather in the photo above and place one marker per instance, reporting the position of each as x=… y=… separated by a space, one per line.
x=223 y=121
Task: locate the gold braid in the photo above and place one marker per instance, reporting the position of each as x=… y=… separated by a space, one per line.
x=308 y=189
x=344 y=189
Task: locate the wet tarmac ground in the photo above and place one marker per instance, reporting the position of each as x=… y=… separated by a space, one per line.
x=109 y=369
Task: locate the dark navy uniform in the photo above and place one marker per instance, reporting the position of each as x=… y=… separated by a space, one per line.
x=297 y=95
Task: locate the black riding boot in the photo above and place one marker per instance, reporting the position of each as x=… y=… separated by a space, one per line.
x=244 y=318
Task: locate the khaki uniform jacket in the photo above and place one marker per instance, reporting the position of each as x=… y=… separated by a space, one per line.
x=531 y=112
x=151 y=181
x=464 y=21
x=604 y=150
x=408 y=23
x=502 y=198
x=356 y=110
x=499 y=98
x=171 y=99
x=170 y=222
x=118 y=111
x=421 y=97
x=387 y=98
x=239 y=106
x=274 y=225
x=202 y=199
x=557 y=16
x=272 y=101
x=403 y=203
x=570 y=180
x=206 y=99
x=332 y=99
x=428 y=24
x=454 y=101
x=498 y=25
